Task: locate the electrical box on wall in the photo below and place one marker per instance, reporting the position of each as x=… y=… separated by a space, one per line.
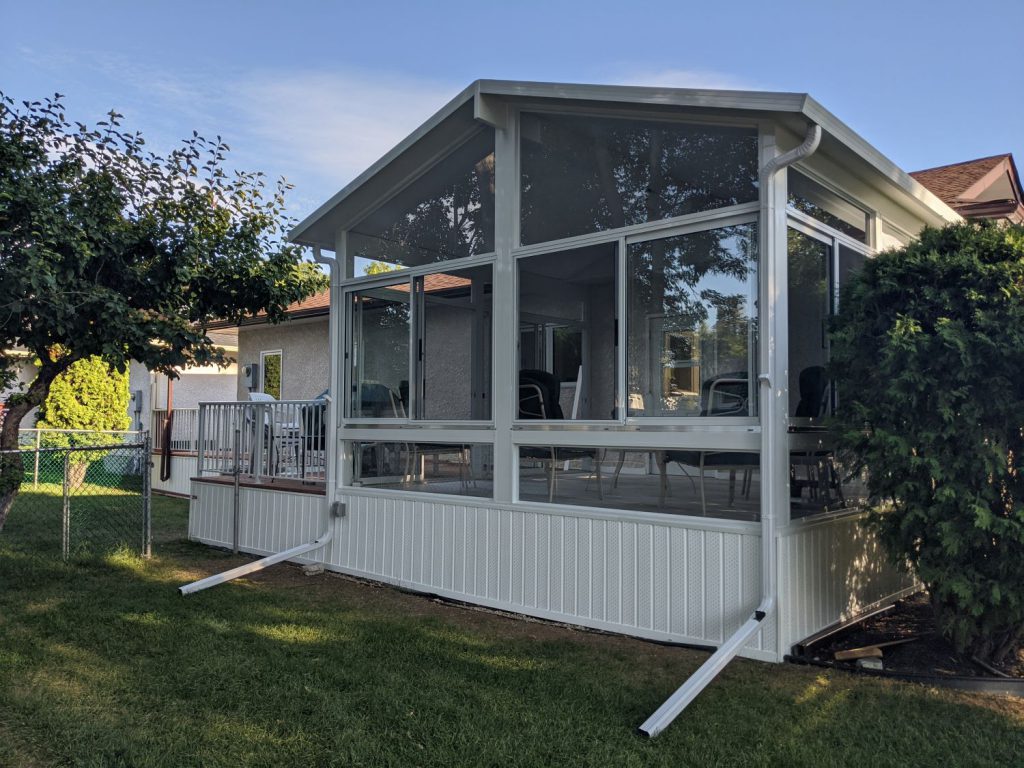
x=251 y=376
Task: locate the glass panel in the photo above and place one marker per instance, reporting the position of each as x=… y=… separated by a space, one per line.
x=850 y=262
x=454 y=348
x=567 y=327
x=810 y=197
x=724 y=484
x=818 y=480
x=691 y=323
x=583 y=174
x=810 y=302
x=447 y=213
x=380 y=352
x=450 y=468
x=271 y=374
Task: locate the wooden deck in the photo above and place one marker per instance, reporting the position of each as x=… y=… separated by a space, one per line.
x=290 y=485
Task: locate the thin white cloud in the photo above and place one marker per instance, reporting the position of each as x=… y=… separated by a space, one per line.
x=334 y=125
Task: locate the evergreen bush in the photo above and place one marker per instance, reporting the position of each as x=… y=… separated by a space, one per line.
x=928 y=359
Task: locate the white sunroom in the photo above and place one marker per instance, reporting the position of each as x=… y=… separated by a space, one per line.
x=578 y=338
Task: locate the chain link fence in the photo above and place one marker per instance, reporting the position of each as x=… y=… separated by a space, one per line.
x=79 y=501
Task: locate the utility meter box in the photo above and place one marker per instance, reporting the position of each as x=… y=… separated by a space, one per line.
x=251 y=376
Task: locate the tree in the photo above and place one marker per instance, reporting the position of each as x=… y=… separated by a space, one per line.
x=928 y=357
x=110 y=250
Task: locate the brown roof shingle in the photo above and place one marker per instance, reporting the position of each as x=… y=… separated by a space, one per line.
x=948 y=182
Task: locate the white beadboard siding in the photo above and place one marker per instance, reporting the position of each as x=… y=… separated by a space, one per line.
x=829 y=571
x=183 y=469
x=674 y=579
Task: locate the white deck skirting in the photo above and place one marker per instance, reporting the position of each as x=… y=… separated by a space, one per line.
x=661 y=577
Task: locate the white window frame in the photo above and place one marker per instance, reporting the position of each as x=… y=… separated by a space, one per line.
x=263 y=369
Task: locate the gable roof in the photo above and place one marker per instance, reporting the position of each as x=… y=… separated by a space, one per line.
x=484 y=102
x=988 y=187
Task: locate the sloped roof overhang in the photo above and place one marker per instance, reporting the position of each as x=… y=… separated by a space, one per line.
x=483 y=102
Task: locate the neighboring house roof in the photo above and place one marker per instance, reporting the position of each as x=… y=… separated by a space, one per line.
x=485 y=101
x=986 y=188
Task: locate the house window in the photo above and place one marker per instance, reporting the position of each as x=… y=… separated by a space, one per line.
x=270 y=378
x=447 y=213
x=421 y=348
x=583 y=173
x=690 y=324
x=567 y=334
x=820 y=203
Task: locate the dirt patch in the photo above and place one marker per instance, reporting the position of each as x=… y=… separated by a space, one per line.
x=928 y=654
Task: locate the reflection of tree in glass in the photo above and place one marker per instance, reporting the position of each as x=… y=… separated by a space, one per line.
x=451 y=217
x=585 y=174
x=699 y=282
x=272 y=375
x=808 y=268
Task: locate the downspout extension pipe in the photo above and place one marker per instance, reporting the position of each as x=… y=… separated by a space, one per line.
x=334 y=509
x=707 y=672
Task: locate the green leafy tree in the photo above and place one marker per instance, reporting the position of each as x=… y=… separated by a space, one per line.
x=110 y=250
x=92 y=399
x=928 y=355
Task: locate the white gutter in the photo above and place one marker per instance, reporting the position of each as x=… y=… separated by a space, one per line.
x=770 y=423
x=334 y=509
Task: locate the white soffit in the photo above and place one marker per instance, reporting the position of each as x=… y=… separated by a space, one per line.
x=319 y=228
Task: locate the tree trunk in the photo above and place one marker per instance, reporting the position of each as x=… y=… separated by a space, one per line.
x=11 y=466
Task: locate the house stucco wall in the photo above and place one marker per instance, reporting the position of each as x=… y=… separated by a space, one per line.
x=305 y=363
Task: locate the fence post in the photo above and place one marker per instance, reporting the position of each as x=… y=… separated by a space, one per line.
x=200 y=428
x=237 y=471
x=35 y=471
x=65 y=539
x=147 y=496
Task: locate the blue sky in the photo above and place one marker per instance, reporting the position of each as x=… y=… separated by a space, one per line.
x=316 y=91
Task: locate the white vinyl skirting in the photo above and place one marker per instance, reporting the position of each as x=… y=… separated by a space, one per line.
x=661 y=577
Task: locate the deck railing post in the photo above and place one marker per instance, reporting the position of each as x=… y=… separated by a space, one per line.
x=236 y=501
x=200 y=441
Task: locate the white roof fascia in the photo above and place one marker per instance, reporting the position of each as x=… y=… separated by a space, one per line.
x=832 y=125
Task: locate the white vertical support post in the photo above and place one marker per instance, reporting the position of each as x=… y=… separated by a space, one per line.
x=35 y=470
x=339 y=459
x=504 y=383
x=773 y=353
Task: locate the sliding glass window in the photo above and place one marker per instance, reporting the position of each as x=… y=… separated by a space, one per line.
x=423 y=353
x=585 y=173
x=567 y=334
x=691 y=323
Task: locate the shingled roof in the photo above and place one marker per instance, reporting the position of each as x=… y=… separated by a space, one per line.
x=964 y=188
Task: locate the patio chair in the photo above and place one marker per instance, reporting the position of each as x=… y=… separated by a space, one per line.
x=821 y=473
x=539 y=392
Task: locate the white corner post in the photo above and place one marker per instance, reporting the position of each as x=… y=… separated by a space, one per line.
x=503 y=326
x=331 y=508
x=773 y=392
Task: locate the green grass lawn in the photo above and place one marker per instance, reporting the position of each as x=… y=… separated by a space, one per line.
x=103 y=664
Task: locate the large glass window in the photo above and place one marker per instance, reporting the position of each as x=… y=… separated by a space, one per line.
x=810 y=304
x=447 y=377
x=810 y=197
x=567 y=334
x=448 y=213
x=582 y=173
x=380 y=351
x=705 y=483
x=691 y=322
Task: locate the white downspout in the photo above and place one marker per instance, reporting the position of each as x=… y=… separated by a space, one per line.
x=770 y=457
x=332 y=509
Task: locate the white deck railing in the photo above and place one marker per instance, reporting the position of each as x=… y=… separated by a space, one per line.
x=184 y=429
x=263 y=441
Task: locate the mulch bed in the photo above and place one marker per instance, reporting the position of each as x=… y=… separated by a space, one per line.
x=930 y=654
